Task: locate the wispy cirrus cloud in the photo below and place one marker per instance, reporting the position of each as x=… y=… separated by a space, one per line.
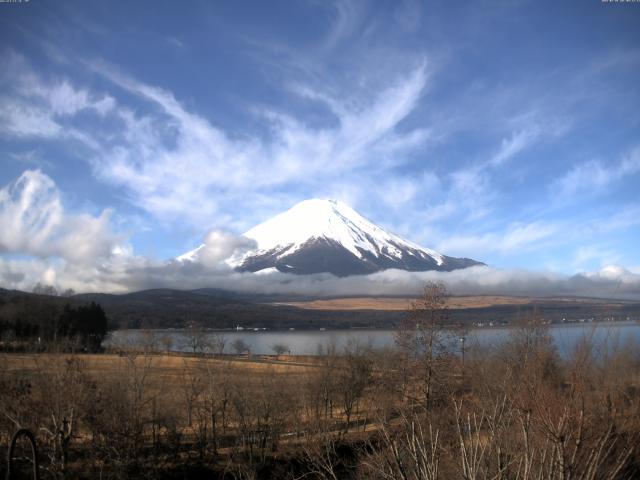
x=178 y=166
x=584 y=255
x=33 y=107
x=518 y=236
x=594 y=176
x=589 y=236
x=516 y=143
x=161 y=177
x=346 y=15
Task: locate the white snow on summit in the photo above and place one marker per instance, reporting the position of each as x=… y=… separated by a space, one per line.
x=331 y=220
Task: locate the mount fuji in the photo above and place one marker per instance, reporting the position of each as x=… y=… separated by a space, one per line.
x=317 y=236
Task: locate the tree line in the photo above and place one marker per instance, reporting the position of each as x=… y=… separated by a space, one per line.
x=33 y=321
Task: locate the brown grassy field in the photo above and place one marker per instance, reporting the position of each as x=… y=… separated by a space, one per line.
x=399 y=304
x=98 y=363
x=453 y=302
x=165 y=369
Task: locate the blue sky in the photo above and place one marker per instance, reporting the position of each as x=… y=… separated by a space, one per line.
x=508 y=132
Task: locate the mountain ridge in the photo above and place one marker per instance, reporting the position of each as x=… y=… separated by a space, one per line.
x=222 y=309
x=328 y=236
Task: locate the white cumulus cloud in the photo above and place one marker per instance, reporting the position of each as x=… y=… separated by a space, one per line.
x=33 y=222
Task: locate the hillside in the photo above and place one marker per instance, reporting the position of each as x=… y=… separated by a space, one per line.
x=214 y=308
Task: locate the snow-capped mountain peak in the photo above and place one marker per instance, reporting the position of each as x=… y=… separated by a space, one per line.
x=317 y=236
x=330 y=220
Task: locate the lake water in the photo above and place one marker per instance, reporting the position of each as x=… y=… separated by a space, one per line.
x=306 y=342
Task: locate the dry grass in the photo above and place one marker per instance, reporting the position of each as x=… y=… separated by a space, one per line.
x=166 y=372
x=163 y=364
x=399 y=304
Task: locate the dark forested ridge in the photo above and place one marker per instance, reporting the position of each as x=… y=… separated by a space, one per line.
x=220 y=309
x=214 y=308
x=45 y=318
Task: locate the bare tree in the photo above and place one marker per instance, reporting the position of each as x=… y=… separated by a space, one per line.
x=352 y=379
x=167 y=342
x=69 y=292
x=40 y=289
x=422 y=335
x=319 y=451
x=279 y=348
x=216 y=343
x=148 y=341
x=191 y=389
x=240 y=346
x=410 y=452
x=196 y=340
x=322 y=386
x=216 y=397
x=61 y=385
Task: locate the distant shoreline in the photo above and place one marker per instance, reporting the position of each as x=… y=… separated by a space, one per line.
x=252 y=330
